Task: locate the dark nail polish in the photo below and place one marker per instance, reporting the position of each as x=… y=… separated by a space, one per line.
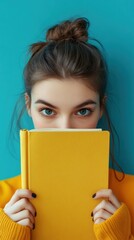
x=93 y=195
x=91 y=214
x=34 y=195
x=92 y=219
x=35 y=214
x=33 y=226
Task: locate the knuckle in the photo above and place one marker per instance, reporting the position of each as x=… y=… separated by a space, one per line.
x=21 y=191
x=98 y=220
x=17 y=192
x=7 y=210
x=24 y=201
x=104 y=203
x=110 y=192
x=32 y=209
x=102 y=212
x=27 y=213
x=27 y=222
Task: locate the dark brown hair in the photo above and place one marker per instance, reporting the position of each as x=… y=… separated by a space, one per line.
x=67 y=54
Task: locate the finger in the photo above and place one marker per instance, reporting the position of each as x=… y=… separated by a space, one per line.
x=20 y=193
x=19 y=206
x=106 y=205
x=101 y=214
x=99 y=220
x=107 y=193
x=25 y=214
x=26 y=222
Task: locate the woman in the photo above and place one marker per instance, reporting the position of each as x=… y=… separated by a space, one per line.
x=65 y=83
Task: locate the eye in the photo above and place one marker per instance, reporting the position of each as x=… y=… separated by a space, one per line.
x=84 y=112
x=47 y=112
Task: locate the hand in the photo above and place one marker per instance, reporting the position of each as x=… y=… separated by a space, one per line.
x=20 y=209
x=106 y=207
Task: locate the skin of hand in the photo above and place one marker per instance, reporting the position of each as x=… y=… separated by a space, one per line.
x=20 y=209
x=106 y=207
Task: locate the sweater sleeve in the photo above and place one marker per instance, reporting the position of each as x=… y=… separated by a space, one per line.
x=8 y=228
x=8 y=188
x=117 y=227
x=11 y=230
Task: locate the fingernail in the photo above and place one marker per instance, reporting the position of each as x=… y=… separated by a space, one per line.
x=93 y=196
x=92 y=219
x=91 y=214
x=35 y=214
x=34 y=195
x=33 y=226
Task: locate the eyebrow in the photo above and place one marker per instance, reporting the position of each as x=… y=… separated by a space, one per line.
x=89 y=101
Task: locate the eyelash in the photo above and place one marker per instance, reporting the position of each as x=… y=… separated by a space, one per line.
x=87 y=109
x=49 y=109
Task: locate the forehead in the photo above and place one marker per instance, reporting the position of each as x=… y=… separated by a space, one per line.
x=66 y=90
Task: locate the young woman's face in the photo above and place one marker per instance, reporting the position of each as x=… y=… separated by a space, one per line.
x=63 y=104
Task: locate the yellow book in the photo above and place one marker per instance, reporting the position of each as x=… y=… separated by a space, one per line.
x=64 y=167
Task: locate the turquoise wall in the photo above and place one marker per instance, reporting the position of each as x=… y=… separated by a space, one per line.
x=24 y=22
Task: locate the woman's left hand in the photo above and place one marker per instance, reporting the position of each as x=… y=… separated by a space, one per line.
x=106 y=207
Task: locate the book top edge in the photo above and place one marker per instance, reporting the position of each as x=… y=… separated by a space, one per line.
x=63 y=130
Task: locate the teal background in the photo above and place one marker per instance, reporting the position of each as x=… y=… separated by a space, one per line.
x=25 y=22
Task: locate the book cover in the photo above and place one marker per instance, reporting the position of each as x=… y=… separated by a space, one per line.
x=64 y=168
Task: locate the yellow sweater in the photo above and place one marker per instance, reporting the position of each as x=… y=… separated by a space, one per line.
x=120 y=226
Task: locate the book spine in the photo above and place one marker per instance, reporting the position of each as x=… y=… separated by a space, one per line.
x=24 y=158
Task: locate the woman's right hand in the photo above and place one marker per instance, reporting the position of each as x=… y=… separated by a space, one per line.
x=20 y=209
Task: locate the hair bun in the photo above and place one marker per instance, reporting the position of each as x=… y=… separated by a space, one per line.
x=76 y=29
